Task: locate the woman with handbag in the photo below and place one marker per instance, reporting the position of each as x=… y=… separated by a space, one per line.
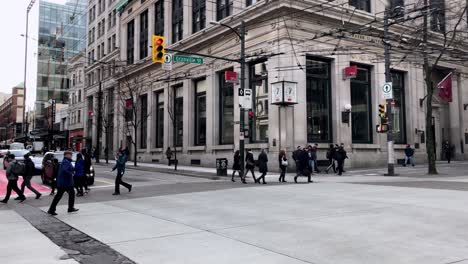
x=262 y=166
x=283 y=164
x=249 y=165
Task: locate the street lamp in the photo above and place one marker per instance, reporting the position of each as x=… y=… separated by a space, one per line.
x=28 y=9
x=241 y=36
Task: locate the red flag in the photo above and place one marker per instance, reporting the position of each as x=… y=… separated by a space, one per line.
x=445 y=88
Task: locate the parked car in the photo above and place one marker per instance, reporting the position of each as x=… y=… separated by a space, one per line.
x=47 y=171
x=19 y=155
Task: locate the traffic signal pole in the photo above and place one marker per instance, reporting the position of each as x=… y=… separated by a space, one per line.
x=388 y=78
x=242 y=86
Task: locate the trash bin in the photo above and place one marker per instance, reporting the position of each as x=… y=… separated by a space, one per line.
x=221 y=167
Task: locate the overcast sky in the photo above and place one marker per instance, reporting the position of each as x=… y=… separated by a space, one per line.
x=12 y=25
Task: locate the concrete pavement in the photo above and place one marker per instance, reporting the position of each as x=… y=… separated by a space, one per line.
x=359 y=218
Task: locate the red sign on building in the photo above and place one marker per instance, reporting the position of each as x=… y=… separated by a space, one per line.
x=230 y=76
x=350 y=72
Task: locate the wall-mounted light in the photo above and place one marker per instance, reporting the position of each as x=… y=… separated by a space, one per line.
x=346 y=113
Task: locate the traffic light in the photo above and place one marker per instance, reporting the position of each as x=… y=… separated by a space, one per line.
x=382 y=111
x=158 y=49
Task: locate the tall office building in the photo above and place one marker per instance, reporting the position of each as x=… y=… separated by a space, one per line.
x=62 y=35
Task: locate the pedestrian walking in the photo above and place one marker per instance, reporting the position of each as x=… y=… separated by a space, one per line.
x=27 y=176
x=409 y=153
x=55 y=166
x=120 y=167
x=447 y=149
x=169 y=156
x=64 y=184
x=315 y=150
x=249 y=165
x=283 y=164
x=13 y=170
x=236 y=167
x=312 y=157
x=340 y=158
x=295 y=156
x=80 y=175
x=331 y=156
x=303 y=166
x=87 y=166
x=338 y=147
x=262 y=166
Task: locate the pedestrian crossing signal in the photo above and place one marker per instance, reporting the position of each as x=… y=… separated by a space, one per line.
x=158 y=50
x=382 y=128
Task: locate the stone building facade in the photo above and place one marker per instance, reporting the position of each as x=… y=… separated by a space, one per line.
x=297 y=41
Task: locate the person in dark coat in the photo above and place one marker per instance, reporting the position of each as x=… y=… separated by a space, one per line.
x=65 y=184
x=409 y=155
x=236 y=167
x=120 y=167
x=331 y=153
x=295 y=156
x=312 y=157
x=168 y=156
x=12 y=177
x=249 y=165
x=447 y=150
x=80 y=175
x=283 y=164
x=55 y=171
x=303 y=168
x=28 y=174
x=340 y=158
x=262 y=166
x=315 y=150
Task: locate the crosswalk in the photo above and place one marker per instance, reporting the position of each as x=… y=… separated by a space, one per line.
x=3 y=184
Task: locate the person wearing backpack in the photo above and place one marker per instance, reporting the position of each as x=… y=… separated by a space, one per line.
x=27 y=176
x=13 y=170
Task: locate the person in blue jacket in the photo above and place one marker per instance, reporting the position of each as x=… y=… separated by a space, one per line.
x=80 y=176
x=64 y=184
x=120 y=166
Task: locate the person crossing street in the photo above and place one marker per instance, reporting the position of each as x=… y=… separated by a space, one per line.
x=27 y=176
x=12 y=172
x=120 y=167
x=64 y=184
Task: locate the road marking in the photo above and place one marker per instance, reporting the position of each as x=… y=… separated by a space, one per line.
x=104 y=181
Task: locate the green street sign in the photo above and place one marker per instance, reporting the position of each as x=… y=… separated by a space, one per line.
x=187 y=59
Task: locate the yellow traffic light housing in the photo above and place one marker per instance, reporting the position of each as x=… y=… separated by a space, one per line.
x=382 y=111
x=158 y=50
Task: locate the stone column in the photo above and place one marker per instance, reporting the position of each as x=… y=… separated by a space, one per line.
x=455 y=107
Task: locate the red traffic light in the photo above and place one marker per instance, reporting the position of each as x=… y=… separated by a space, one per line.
x=251 y=113
x=159 y=41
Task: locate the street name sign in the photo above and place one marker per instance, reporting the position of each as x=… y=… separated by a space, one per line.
x=188 y=59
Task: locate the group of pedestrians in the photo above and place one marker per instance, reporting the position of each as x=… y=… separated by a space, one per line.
x=13 y=171
x=305 y=159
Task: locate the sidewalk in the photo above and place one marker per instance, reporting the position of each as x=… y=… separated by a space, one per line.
x=22 y=243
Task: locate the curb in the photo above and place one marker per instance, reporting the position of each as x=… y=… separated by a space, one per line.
x=209 y=176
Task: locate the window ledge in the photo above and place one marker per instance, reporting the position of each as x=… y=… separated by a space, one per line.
x=257 y=146
x=399 y=146
x=223 y=147
x=141 y=150
x=156 y=150
x=365 y=146
x=196 y=148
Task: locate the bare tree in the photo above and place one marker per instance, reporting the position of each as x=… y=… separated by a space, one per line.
x=171 y=110
x=432 y=57
x=131 y=91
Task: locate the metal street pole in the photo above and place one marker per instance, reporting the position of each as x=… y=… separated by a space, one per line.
x=99 y=123
x=388 y=78
x=31 y=4
x=242 y=86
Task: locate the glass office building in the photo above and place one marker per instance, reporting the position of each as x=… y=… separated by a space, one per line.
x=62 y=35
